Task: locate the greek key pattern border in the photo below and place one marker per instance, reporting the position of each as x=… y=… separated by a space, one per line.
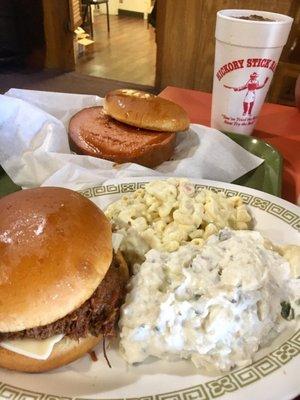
x=217 y=387
x=265 y=205
x=206 y=391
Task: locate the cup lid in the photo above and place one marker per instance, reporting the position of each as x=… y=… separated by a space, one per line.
x=269 y=30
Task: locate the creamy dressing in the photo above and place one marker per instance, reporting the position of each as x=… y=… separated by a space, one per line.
x=215 y=305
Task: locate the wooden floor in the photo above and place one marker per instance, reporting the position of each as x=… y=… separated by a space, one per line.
x=127 y=54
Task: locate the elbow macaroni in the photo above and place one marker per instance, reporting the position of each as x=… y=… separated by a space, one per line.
x=166 y=214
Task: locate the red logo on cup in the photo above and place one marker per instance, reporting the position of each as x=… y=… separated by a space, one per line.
x=252 y=85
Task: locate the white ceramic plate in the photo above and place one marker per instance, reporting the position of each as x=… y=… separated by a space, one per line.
x=274 y=375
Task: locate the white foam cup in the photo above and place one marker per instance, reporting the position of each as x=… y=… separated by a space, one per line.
x=246 y=56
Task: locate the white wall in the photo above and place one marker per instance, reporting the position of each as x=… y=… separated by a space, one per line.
x=113 y=7
x=142 y=6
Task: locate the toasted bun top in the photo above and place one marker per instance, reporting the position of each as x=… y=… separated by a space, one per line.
x=55 y=249
x=145 y=110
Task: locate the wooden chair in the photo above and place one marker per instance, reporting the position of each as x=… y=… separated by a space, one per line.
x=284 y=74
x=87 y=15
x=288 y=69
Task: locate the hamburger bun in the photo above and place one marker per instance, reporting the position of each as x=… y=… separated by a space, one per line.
x=55 y=249
x=64 y=352
x=145 y=110
x=93 y=133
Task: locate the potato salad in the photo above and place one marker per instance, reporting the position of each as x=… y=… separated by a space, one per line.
x=215 y=304
x=166 y=214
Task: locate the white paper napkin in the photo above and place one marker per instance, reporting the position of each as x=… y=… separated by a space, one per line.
x=34 y=147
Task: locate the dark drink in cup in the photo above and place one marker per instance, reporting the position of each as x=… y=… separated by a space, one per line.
x=248 y=46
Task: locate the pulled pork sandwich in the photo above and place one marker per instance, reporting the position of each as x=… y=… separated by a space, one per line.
x=61 y=284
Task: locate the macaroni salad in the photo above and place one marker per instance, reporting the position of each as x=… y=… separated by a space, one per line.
x=169 y=213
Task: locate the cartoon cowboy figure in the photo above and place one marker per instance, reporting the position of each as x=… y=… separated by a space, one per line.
x=251 y=85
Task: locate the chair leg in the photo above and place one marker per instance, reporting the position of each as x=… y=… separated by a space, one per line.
x=85 y=14
x=107 y=16
x=91 y=21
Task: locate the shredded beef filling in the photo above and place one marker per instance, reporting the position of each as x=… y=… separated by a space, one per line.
x=98 y=315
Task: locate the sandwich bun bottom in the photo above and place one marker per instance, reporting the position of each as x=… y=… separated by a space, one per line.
x=64 y=352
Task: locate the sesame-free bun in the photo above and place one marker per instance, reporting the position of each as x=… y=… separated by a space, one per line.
x=55 y=249
x=145 y=110
x=64 y=352
x=93 y=133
